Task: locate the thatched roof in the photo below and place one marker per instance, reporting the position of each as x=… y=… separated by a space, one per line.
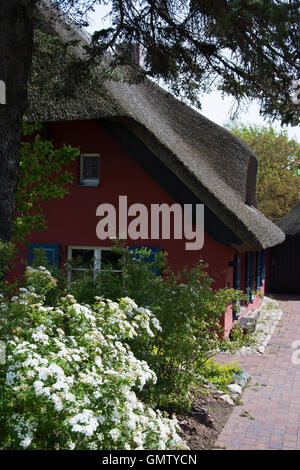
x=290 y=223
x=218 y=167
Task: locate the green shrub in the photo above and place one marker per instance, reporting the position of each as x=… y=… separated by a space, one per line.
x=218 y=374
x=189 y=311
x=7 y=251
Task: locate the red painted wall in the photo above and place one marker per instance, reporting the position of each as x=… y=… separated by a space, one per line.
x=72 y=221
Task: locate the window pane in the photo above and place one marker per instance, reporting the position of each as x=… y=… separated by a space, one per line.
x=110 y=259
x=80 y=275
x=90 y=167
x=82 y=258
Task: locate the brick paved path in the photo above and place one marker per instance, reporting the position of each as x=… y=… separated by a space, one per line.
x=270 y=415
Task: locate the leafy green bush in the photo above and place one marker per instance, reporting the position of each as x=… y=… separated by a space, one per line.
x=189 y=311
x=69 y=374
x=53 y=295
x=220 y=375
x=7 y=252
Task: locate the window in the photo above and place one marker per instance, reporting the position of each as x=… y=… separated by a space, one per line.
x=84 y=260
x=51 y=250
x=89 y=170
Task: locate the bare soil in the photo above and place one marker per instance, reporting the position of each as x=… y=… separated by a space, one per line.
x=201 y=426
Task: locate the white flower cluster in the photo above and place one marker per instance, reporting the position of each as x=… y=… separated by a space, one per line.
x=85 y=423
x=23 y=429
x=72 y=373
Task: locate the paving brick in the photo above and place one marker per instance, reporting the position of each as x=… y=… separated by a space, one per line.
x=275 y=402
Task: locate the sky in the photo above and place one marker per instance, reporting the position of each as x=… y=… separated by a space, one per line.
x=214 y=106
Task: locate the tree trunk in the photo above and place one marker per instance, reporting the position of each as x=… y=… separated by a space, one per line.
x=16 y=37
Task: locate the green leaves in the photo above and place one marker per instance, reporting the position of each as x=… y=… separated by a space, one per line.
x=278 y=183
x=43 y=177
x=189 y=311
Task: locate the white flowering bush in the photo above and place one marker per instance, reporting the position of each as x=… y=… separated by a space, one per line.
x=69 y=377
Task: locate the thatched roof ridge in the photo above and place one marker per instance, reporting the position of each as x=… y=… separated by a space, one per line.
x=290 y=223
x=217 y=166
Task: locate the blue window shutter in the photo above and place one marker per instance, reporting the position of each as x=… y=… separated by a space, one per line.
x=237 y=272
x=258 y=269
x=51 y=250
x=236 y=284
x=154 y=251
x=263 y=266
x=249 y=275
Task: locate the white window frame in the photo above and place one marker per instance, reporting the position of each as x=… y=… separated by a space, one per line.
x=97 y=259
x=85 y=181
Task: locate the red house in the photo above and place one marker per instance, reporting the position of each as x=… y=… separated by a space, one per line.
x=140 y=142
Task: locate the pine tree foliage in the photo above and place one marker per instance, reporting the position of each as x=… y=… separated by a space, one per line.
x=246 y=48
